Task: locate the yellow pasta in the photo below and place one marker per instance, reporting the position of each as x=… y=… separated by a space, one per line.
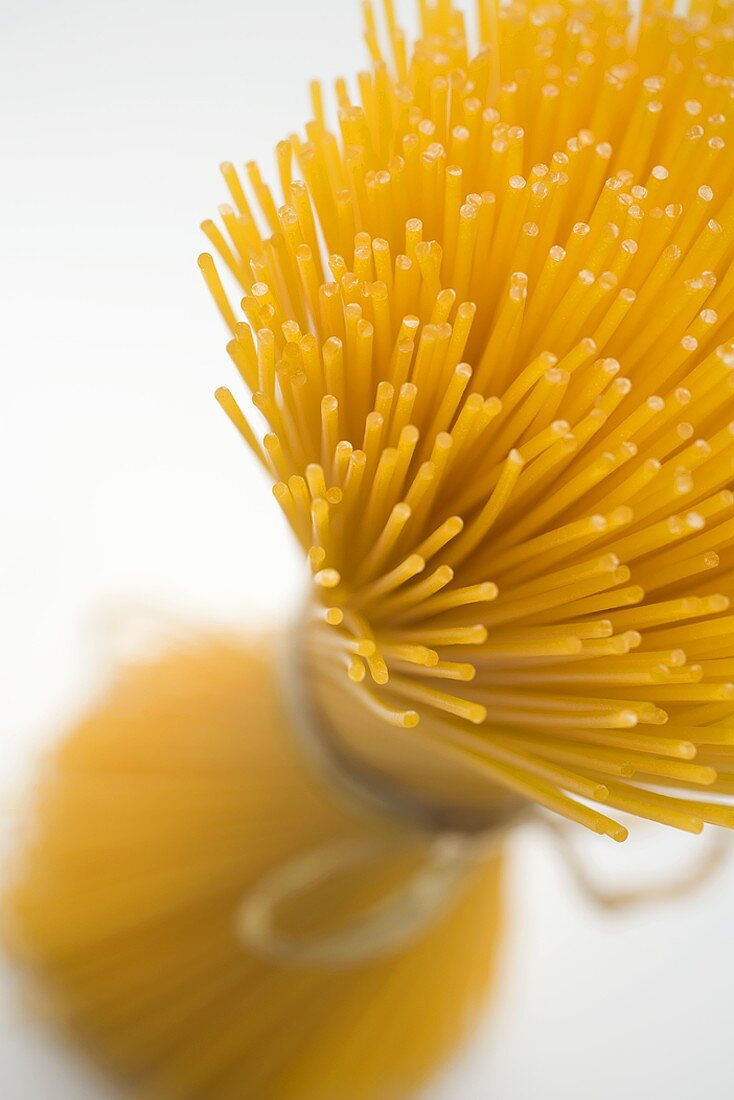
x=162 y=811
x=526 y=250
x=483 y=331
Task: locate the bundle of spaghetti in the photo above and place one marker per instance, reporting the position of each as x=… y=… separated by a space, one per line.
x=487 y=332
x=485 y=326
x=161 y=811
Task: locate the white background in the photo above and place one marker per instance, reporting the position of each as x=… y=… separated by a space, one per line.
x=119 y=477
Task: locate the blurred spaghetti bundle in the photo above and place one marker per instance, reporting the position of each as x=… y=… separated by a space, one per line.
x=485 y=330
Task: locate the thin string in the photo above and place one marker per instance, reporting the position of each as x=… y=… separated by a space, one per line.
x=386 y=927
x=448 y=849
x=679 y=884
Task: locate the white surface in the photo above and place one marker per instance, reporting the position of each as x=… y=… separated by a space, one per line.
x=120 y=477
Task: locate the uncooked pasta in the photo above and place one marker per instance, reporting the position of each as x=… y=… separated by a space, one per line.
x=482 y=323
x=487 y=329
